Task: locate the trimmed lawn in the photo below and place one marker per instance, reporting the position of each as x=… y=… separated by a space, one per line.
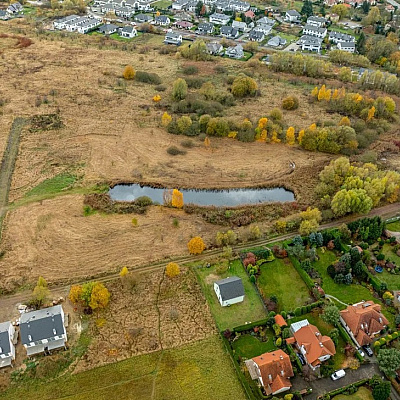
x=248 y=346
x=392 y=280
x=394 y=226
x=201 y=370
x=279 y=278
x=250 y=310
x=362 y=394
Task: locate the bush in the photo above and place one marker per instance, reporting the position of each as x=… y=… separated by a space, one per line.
x=190 y=70
x=129 y=72
x=244 y=86
x=187 y=143
x=143 y=201
x=276 y=114
x=290 y=103
x=174 y=151
x=148 y=77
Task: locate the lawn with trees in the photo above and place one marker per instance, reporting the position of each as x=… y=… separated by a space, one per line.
x=248 y=346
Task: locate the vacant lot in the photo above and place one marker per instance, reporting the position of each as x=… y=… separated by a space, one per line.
x=250 y=310
x=199 y=371
x=279 y=278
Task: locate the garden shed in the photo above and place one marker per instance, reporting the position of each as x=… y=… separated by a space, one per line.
x=229 y=291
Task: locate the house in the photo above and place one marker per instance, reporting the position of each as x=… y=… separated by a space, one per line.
x=337 y=37
x=162 y=20
x=215 y=49
x=310 y=43
x=205 y=28
x=292 y=16
x=14 y=8
x=362 y=321
x=390 y=8
x=183 y=24
x=239 y=6
x=229 y=290
x=108 y=29
x=229 y=32
x=276 y=41
x=173 y=38
x=266 y=21
x=125 y=12
x=3 y=15
x=240 y=26
x=272 y=370
x=61 y=23
x=249 y=14
x=128 y=32
x=333 y=17
x=7 y=349
x=222 y=5
x=264 y=28
x=143 y=18
x=311 y=30
x=256 y=36
x=350 y=47
x=179 y=4
x=318 y=22
x=219 y=19
x=279 y=320
x=88 y=25
x=315 y=348
x=43 y=330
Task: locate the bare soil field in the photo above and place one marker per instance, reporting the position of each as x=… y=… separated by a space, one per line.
x=159 y=313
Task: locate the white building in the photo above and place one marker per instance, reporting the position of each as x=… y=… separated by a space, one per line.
x=337 y=37
x=318 y=22
x=314 y=31
x=7 y=349
x=173 y=38
x=128 y=32
x=310 y=43
x=61 y=23
x=292 y=16
x=345 y=46
x=219 y=19
x=229 y=290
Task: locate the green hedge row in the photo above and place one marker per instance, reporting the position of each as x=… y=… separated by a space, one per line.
x=335 y=392
x=346 y=337
x=291 y=351
x=306 y=278
x=246 y=327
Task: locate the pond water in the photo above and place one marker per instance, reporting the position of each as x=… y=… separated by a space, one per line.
x=204 y=197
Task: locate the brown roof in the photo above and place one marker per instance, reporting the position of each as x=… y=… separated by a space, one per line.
x=280 y=320
x=315 y=344
x=275 y=369
x=365 y=316
x=290 y=340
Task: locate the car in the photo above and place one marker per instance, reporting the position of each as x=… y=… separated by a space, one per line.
x=362 y=354
x=368 y=350
x=338 y=374
x=301 y=358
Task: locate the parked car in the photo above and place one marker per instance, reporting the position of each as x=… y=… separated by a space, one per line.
x=368 y=350
x=338 y=374
x=301 y=358
x=362 y=354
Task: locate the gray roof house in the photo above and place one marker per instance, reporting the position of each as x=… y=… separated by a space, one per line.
x=229 y=32
x=240 y=26
x=219 y=19
x=141 y=18
x=316 y=21
x=310 y=43
x=162 y=20
x=256 y=36
x=292 y=16
x=215 y=49
x=205 y=28
x=276 y=41
x=43 y=330
x=266 y=21
x=173 y=38
x=312 y=30
x=337 y=37
x=229 y=291
x=235 y=52
x=128 y=31
x=108 y=29
x=7 y=349
x=3 y=15
x=350 y=47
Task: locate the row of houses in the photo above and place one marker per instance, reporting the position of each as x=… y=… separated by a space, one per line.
x=75 y=23
x=219 y=5
x=12 y=10
x=41 y=331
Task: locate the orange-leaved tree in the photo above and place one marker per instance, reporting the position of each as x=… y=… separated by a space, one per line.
x=196 y=245
x=177 y=199
x=172 y=270
x=129 y=72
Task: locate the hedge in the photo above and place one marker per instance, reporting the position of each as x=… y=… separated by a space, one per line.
x=346 y=337
x=344 y=389
x=306 y=278
x=246 y=327
x=291 y=351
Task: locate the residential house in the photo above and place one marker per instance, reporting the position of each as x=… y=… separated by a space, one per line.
x=272 y=370
x=337 y=37
x=128 y=32
x=310 y=43
x=215 y=49
x=205 y=28
x=264 y=28
x=240 y=26
x=219 y=19
x=229 y=290
x=276 y=41
x=43 y=330
x=362 y=321
x=256 y=36
x=333 y=17
x=390 y=8
x=162 y=20
x=7 y=348
x=179 y=5
x=266 y=21
x=350 y=47
x=222 y=5
x=292 y=16
x=88 y=25
x=72 y=26
x=61 y=23
x=311 y=30
x=239 y=6
x=143 y=6
x=315 y=348
x=15 y=8
x=3 y=15
x=318 y=22
x=108 y=29
x=183 y=25
x=143 y=18
x=229 y=32
x=124 y=12
x=173 y=38
x=108 y=8
x=249 y=14
x=191 y=6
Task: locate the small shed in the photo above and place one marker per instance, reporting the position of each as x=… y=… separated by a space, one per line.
x=280 y=320
x=229 y=291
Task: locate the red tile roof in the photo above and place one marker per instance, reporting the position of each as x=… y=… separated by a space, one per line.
x=280 y=320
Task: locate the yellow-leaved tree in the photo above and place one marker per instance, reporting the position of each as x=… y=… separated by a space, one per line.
x=371 y=113
x=274 y=137
x=100 y=296
x=172 y=270
x=196 y=245
x=321 y=93
x=157 y=98
x=207 y=142
x=290 y=138
x=328 y=95
x=177 y=199
x=75 y=294
x=345 y=121
x=301 y=135
x=261 y=130
x=312 y=127
x=129 y=73
x=314 y=92
x=166 y=119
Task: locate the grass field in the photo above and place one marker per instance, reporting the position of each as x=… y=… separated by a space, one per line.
x=251 y=309
x=248 y=346
x=162 y=4
x=362 y=394
x=279 y=278
x=200 y=371
x=394 y=226
x=53 y=185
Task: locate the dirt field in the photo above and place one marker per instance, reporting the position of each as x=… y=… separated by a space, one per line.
x=160 y=313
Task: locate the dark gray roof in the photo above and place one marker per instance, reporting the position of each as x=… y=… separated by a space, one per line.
x=108 y=27
x=41 y=324
x=4 y=338
x=230 y=288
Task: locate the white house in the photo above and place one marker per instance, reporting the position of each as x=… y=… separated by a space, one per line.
x=264 y=28
x=61 y=23
x=337 y=37
x=7 y=349
x=88 y=25
x=219 y=19
x=240 y=26
x=128 y=32
x=266 y=21
x=43 y=330
x=206 y=28
x=350 y=47
x=256 y=35
x=229 y=290
x=276 y=41
x=215 y=49
x=292 y=16
x=108 y=29
x=310 y=43
x=125 y=12
x=173 y=38
x=179 y=5
x=142 y=18
x=14 y=8
x=240 y=6
x=318 y=22
x=312 y=30
x=229 y=32
x=162 y=20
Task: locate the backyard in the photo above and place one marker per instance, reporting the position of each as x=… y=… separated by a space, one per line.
x=278 y=278
x=249 y=346
x=362 y=394
x=394 y=226
x=250 y=310
x=392 y=280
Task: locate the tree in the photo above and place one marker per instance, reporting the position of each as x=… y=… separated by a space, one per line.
x=196 y=245
x=124 y=272
x=177 y=199
x=373 y=16
x=345 y=74
x=290 y=139
x=179 y=89
x=100 y=296
x=172 y=270
x=75 y=294
x=207 y=143
x=345 y=121
x=389 y=361
x=301 y=135
x=321 y=93
x=334 y=335
x=371 y=113
x=183 y=124
x=381 y=391
x=361 y=41
x=208 y=90
x=308 y=226
x=341 y=10
x=198 y=8
x=244 y=86
x=307 y=9
x=41 y=293
x=331 y=315
x=129 y=73
x=290 y=103
x=311 y=214
x=166 y=119
x=351 y=201
x=157 y=98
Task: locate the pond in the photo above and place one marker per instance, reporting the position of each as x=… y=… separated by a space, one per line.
x=205 y=197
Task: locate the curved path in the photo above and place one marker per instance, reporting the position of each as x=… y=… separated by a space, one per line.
x=328 y=296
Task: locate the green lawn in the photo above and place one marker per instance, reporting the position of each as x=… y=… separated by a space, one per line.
x=394 y=226
x=53 y=185
x=279 y=278
x=287 y=36
x=362 y=394
x=202 y=371
x=392 y=280
x=162 y=4
x=248 y=346
x=250 y=310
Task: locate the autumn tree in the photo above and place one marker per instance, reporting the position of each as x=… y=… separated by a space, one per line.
x=172 y=270
x=123 y=274
x=322 y=93
x=179 y=89
x=177 y=199
x=341 y=10
x=301 y=135
x=373 y=16
x=166 y=119
x=290 y=138
x=261 y=130
x=129 y=72
x=371 y=113
x=183 y=124
x=207 y=143
x=345 y=121
x=314 y=92
x=196 y=245
x=100 y=296
x=244 y=86
x=308 y=226
x=75 y=294
x=41 y=292
x=157 y=98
